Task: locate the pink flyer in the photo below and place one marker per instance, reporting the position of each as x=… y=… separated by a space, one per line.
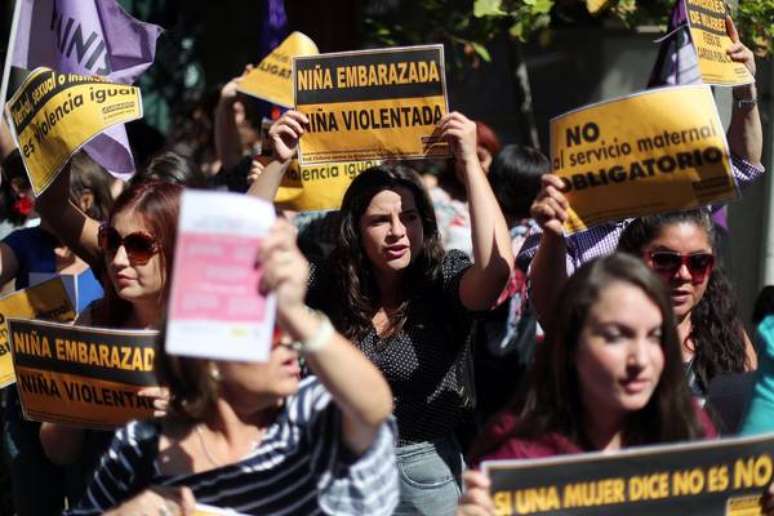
x=215 y=308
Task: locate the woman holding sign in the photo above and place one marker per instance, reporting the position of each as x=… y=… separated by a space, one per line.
x=253 y=437
x=407 y=304
x=134 y=250
x=608 y=376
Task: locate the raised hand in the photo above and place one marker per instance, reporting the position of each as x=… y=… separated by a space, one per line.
x=460 y=132
x=738 y=51
x=285 y=133
x=550 y=206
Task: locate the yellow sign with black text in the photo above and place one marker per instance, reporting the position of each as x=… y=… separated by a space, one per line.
x=594 y=6
x=318 y=187
x=650 y=152
x=707 y=23
x=707 y=478
x=54 y=114
x=372 y=104
x=86 y=377
x=47 y=300
x=272 y=79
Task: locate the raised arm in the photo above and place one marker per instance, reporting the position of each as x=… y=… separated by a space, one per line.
x=745 y=134
x=548 y=270
x=357 y=386
x=228 y=145
x=76 y=229
x=482 y=283
x=284 y=135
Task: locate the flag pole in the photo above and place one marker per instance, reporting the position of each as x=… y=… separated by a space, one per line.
x=9 y=50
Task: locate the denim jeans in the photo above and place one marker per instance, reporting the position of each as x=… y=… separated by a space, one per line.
x=430 y=477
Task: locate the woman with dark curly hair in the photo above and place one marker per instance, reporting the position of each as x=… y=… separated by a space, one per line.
x=679 y=247
x=407 y=304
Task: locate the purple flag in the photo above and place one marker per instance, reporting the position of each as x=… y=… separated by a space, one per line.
x=274 y=27
x=88 y=37
x=677 y=62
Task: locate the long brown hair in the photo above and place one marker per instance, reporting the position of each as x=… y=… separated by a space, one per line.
x=352 y=268
x=157 y=204
x=553 y=402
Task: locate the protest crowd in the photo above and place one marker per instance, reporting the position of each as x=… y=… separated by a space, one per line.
x=428 y=320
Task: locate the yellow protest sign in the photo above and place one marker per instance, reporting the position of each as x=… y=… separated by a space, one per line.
x=711 y=477
x=47 y=300
x=707 y=22
x=371 y=104
x=318 y=187
x=272 y=79
x=594 y=6
x=650 y=152
x=87 y=377
x=53 y=114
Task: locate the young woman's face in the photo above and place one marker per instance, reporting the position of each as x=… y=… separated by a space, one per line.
x=620 y=356
x=687 y=281
x=251 y=386
x=133 y=281
x=391 y=231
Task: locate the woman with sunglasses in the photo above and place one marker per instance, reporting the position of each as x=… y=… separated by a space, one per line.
x=133 y=250
x=679 y=248
x=251 y=436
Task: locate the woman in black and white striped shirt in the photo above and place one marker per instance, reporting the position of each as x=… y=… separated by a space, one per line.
x=251 y=437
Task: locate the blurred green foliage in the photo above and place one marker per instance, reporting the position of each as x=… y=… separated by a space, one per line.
x=466 y=26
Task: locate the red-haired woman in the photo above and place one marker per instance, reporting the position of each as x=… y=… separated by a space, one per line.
x=134 y=251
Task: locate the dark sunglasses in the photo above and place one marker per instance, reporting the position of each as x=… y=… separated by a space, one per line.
x=668 y=263
x=140 y=247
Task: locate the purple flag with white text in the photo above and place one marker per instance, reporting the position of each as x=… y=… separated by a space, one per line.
x=88 y=37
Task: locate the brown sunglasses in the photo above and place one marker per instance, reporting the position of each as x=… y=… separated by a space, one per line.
x=139 y=246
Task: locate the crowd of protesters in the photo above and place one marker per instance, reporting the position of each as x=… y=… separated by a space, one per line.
x=438 y=319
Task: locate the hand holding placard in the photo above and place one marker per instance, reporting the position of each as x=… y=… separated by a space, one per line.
x=550 y=206
x=476 y=500
x=738 y=52
x=285 y=133
x=460 y=132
